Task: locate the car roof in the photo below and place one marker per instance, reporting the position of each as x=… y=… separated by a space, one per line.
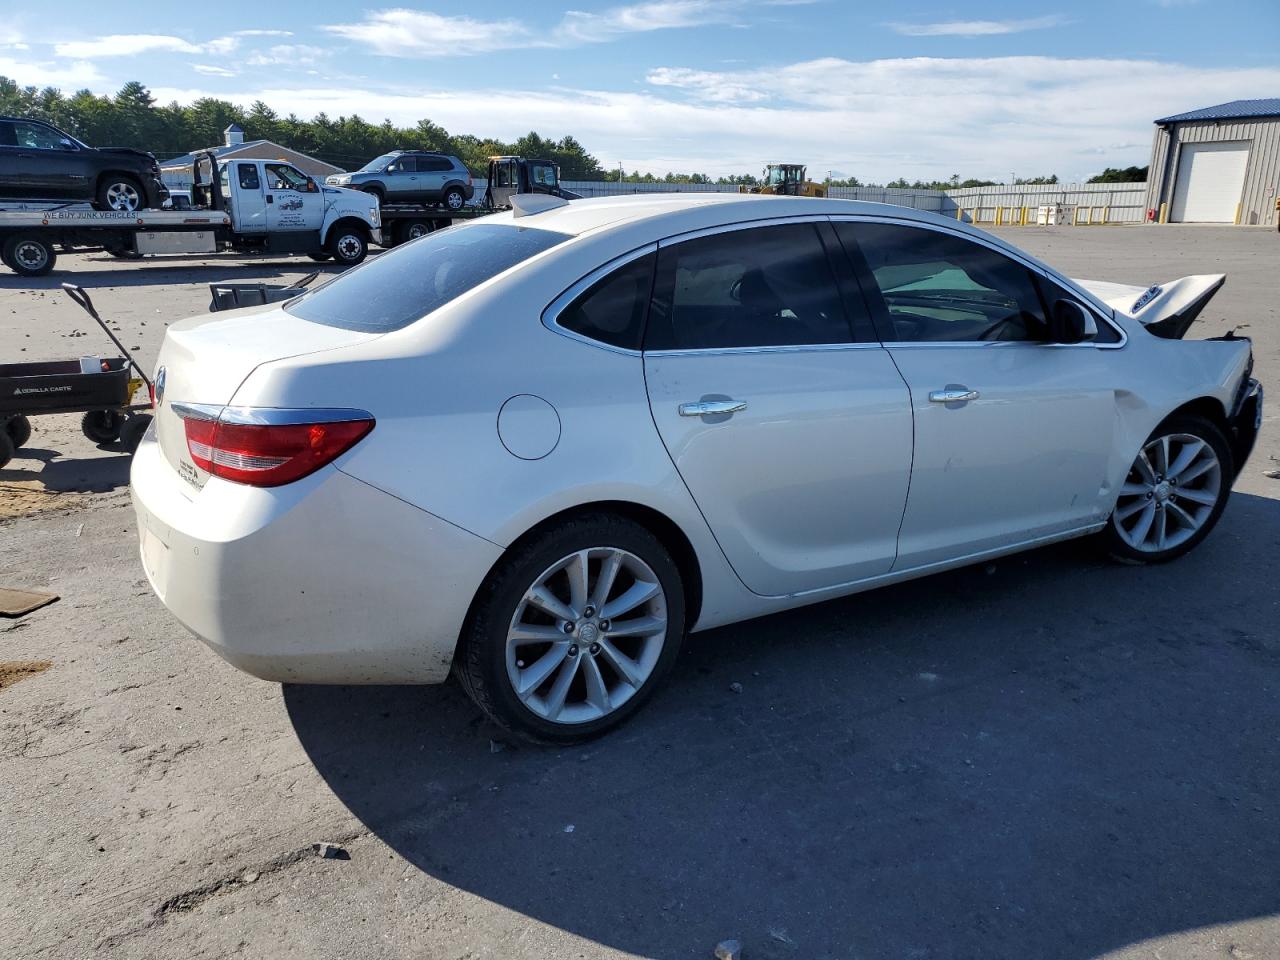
x=673 y=213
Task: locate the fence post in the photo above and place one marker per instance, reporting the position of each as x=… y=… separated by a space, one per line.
x=999 y=215
x=1239 y=206
x=1164 y=212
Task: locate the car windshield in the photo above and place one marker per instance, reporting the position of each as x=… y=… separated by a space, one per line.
x=377 y=163
x=405 y=284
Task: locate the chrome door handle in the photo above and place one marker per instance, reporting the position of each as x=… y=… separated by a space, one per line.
x=953 y=396
x=704 y=407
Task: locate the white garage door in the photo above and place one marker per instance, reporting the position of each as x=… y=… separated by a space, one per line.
x=1210 y=180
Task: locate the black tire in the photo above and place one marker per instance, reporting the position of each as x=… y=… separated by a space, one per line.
x=120 y=253
x=119 y=191
x=29 y=256
x=19 y=430
x=1206 y=431
x=454 y=199
x=413 y=229
x=348 y=244
x=320 y=257
x=481 y=660
x=133 y=429
x=6 y=449
x=102 y=426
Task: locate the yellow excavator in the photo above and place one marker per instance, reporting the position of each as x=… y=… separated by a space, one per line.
x=787 y=179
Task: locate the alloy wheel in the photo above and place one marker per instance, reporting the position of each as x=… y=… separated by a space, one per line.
x=1169 y=494
x=123 y=196
x=586 y=635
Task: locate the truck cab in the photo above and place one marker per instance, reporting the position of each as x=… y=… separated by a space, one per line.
x=512 y=175
x=277 y=208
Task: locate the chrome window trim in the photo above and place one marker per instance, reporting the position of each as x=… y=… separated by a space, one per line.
x=1100 y=310
x=676 y=238
x=786 y=348
x=268 y=416
x=551 y=313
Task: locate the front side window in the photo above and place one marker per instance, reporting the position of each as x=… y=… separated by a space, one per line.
x=281 y=176
x=938 y=287
x=36 y=136
x=612 y=309
x=410 y=281
x=759 y=287
x=404 y=165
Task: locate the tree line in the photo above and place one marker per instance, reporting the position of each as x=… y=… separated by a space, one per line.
x=133 y=118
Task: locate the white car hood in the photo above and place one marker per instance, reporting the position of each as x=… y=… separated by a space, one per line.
x=1164 y=308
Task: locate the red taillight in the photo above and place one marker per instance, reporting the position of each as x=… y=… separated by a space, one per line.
x=268 y=455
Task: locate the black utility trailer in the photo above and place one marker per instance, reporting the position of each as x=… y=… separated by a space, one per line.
x=104 y=395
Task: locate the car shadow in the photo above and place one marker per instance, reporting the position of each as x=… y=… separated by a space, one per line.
x=58 y=474
x=1048 y=756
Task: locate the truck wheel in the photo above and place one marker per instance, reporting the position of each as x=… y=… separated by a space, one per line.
x=454 y=198
x=29 y=256
x=348 y=245
x=120 y=192
x=102 y=426
x=413 y=229
x=6 y=448
x=120 y=253
x=19 y=430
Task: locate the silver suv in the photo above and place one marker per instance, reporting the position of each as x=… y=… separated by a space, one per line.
x=412 y=176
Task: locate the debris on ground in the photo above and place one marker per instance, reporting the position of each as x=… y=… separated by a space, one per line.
x=735 y=687
x=569 y=828
x=18 y=603
x=779 y=934
x=330 y=851
x=14 y=670
x=729 y=950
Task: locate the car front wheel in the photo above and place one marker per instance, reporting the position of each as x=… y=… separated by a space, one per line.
x=572 y=633
x=1173 y=494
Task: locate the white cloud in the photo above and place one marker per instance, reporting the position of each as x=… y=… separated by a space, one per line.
x=45 y=73
x=976 y=28
x=132 y=44
x=414 y=33
x=581 y=27
x=263 y=33
x=209 y=70
x=287 y=54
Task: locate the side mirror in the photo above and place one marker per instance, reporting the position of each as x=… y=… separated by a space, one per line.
x=66 y=144
x=1071 y=323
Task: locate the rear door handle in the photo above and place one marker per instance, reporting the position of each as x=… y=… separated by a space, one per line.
x=703 y=408
x=953 y=395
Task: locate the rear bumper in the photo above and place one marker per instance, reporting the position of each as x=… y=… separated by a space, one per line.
x=326 y=580
x=1244 y=422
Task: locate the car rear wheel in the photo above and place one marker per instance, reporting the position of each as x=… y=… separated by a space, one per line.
x=118 y=192
x=574 y=631
x=1173 y=494
x=454 y=198
x=29 y=256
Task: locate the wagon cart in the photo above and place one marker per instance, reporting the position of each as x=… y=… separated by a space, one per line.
x=101 y=389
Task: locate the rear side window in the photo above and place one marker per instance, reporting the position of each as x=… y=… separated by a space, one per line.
x=759 y=287
x=433 y=164
x=248 y=176
x=612 y=309
x=938 y=287
x=396 y=288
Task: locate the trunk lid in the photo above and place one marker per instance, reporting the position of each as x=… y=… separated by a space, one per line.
x=1165 y=309
x=205 y=359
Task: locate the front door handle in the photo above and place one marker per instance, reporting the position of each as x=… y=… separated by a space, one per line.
x=953 y=395
x=704 y=408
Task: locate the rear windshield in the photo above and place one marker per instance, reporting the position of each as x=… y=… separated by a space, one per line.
x=396 y=288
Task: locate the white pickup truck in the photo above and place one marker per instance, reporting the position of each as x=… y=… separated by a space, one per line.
x=264 y=206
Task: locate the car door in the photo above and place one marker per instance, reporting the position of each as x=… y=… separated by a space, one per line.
x=402 y=179
x=791 y=430
x=433 y=172
x=1012 y=432
x=294 y=201
x=12 y=183
x=246 y=198
x=49 y=164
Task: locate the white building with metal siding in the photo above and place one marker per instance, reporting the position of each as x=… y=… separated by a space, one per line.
x=1220 y=164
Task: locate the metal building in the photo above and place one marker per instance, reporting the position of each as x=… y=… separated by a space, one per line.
x=1217 y=165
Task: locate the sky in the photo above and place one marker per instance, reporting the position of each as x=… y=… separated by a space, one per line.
x=920 y=90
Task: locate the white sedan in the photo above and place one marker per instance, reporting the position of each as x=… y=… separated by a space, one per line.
x=537 y=449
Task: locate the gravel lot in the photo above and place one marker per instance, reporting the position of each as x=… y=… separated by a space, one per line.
x=1047 y=757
